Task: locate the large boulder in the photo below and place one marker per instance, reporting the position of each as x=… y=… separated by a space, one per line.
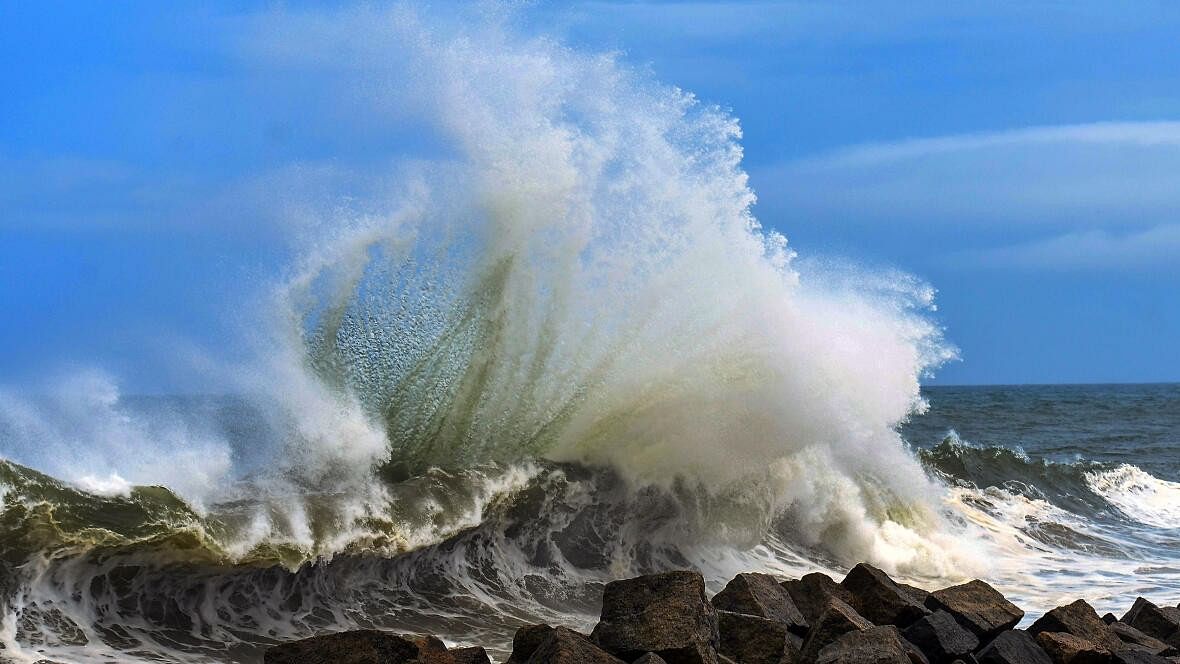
x=941 y=638
x=761 y=595
x=978 y=607
x=836 y=620
x=1161 y=622
x=526 y=641
x=470 y=655
x=1013 y=647
x=877 y=645
x=812 y=592
x=1137 y=640
x=565 y=646
x=1066 y=648
x=1138 y=657
x=879 y=599
x=920 y=595
x=1081 y=620
x=366 y=646
x=666 y=614
x=752 y=639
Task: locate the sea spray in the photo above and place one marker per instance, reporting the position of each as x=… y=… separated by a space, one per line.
x=587 y=283
x=564 y=352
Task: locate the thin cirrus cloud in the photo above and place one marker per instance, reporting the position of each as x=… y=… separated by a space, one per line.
x=1100 y=195
x=1102 y=173
x=1150 y=249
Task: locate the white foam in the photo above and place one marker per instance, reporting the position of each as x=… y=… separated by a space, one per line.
x=1139 y=495
x=584 y=280
x=82 y=432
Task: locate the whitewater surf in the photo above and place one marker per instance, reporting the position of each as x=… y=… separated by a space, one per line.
x=566 y=353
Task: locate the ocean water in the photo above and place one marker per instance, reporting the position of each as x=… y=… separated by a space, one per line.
x=1080 y=482
x=563 y=353
x=1062 y=491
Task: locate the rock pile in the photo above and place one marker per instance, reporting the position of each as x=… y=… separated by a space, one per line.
x=867 y=618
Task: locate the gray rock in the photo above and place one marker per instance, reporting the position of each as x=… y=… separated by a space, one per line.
x=752 y=639
x=761 y=595
x=1065 y=648
x=920 y=596
x=526 y=641
x=365 y=646
x=812 y=592
x=836 y=620
x=470 y=655
x=877 y=645
x=879 y=599
x=565 y=646
x=1161 y=622
x=1013 y=647
x=1132 y=637
x=650 y=658
x=978 y=607
x=1137 y=657
x=941 y=638
x=666 y=614
x=1081 y=620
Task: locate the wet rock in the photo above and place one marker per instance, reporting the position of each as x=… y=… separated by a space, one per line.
x=1109 y=618
x=941 y=638
x=1013 y=647
x=366 y=646
x=565 y=646
x=1161 y=622
x=879 y=599
x=795 y=641
x=471 y=655
x=920 y=596
x=916 y=656
x=650 y=658
x=836 y=620
x=1137 y=657
x=1081 y=620
x=526 y=641
x=752 y=639
x=978 y=607
x=1132 y=637
x=877 y=645
x=431 y=650
x=812 y=592
x=761 y=595
x=1066 y=648
x=666 y=614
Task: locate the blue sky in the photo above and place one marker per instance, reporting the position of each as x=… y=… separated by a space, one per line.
x=1022 y=157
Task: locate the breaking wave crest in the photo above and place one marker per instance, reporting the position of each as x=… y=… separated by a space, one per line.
x=566 y=352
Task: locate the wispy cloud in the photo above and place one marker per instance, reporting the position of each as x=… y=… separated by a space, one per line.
x=1134 y=134
x=1123 y=174
x=1150 y=249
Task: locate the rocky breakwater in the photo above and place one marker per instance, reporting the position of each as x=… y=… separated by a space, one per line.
x=867 y=618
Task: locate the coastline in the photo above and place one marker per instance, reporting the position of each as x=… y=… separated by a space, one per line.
x=760 y=619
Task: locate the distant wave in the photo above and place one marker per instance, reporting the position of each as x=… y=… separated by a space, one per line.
x=1138 y=495
x=1082 y=486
